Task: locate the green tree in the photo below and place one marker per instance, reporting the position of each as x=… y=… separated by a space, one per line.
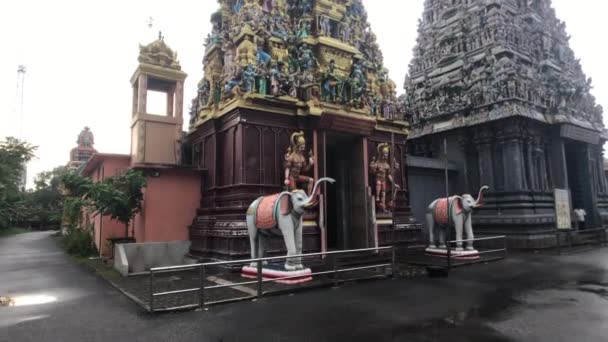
x=45 y=202
x=120 y=196
x=14 y=154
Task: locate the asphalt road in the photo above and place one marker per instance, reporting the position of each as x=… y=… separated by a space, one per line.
x=529 y=297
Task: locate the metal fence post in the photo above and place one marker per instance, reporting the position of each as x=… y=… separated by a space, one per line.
x=260 y=278
x=449 y=260
x=151 y=291
x=335 y=262
x=201 y=275
x=506 y=246
x=393 y=263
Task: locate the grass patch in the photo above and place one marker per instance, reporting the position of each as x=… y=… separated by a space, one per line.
x=12 y=231
x=99 y=267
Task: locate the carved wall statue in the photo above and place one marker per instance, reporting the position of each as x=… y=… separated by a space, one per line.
x=297 y=163
x=382 y=176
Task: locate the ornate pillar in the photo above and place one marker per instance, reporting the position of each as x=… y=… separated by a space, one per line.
x=483 y=142
x=544 y=171
x=531 y=158
x=513 y=161
x=142 y=94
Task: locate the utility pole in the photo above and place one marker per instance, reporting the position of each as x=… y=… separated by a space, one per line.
x=20 y=95
x=20 y=117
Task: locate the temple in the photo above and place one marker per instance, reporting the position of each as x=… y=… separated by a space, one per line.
x=80 y=154
x=295 y=90
x=498 y=81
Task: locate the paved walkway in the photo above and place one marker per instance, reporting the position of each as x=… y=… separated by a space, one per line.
x=526 y=298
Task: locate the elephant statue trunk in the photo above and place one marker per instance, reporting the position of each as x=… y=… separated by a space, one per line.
x=316 y=191
x=479 y=201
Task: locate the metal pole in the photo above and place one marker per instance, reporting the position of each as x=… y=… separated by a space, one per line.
x=505 y=247
x=335 y=262
x=259 y=279
x=151 y=291
x=393 y=263
x=447 y=195
x=201 y=275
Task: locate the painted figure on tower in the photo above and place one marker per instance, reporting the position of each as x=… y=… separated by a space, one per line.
x=382 y=170
x=297 y=163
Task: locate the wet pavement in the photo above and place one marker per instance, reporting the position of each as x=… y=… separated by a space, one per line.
x=528 y=297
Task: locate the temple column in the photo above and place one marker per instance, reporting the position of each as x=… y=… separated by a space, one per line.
x=543 y=173
x=531 y=154
x=142 y=94
x=483 y=142
x=513 y=158
x=179 y=99
x=601 y=173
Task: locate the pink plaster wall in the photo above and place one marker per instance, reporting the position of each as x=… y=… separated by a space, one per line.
x=170 y=203
x=171 y=199
x=105 y=227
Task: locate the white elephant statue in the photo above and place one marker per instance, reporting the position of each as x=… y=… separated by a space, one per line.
x=281 y=213
x=455 y=211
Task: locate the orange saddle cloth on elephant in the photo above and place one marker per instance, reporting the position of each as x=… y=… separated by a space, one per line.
x=444 y=208
x=268 y=211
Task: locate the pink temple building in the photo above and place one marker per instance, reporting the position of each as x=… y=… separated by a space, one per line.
x=173 y=194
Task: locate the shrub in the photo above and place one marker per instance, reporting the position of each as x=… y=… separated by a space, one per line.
x=79 y=242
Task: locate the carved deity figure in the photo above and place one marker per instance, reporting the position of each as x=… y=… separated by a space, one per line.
x=296 y=163
x=380 y=169
x=330 y=82
x=204 y=93
x=249 y=75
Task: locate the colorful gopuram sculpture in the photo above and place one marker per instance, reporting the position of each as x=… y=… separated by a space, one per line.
x=298 y=50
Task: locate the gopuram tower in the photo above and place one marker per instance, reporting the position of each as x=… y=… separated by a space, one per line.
x=498 y=80
x=273 y=69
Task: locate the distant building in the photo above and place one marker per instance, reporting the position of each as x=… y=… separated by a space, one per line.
x=83 y=152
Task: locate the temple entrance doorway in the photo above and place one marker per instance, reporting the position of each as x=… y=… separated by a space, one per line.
x=579 y=180
x=347 y=217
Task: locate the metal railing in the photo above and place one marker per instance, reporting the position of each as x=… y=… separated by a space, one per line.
x=596 y=236
x=493 y=253
x=203 y=268
x=488 y=249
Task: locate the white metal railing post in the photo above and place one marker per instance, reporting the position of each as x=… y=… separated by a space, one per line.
x=201 y=275
x=151 y=290
x=260 y=278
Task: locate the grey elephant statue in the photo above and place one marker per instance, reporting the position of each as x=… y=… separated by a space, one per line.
x=281 y=213
x=455 y=211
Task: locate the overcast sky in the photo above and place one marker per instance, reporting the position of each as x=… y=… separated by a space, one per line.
x=80 y=55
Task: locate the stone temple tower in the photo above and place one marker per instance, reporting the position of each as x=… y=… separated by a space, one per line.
x=277 y=67
x=498 y=80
